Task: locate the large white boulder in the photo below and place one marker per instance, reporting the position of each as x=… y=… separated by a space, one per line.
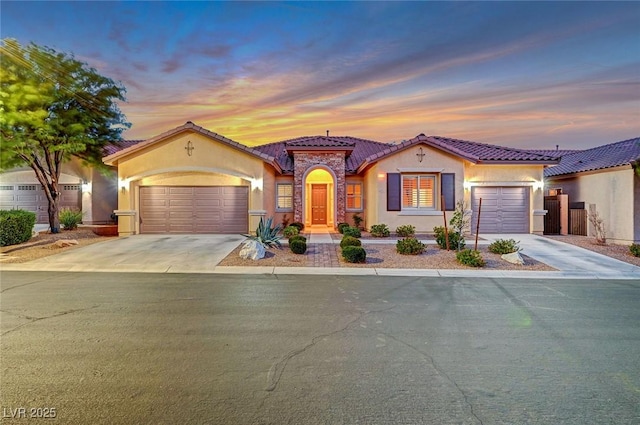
x=253 y=250
x=513 y=258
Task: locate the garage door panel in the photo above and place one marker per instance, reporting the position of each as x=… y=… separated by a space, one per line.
x=31 y=197
x=201 y=209
x=504 y=209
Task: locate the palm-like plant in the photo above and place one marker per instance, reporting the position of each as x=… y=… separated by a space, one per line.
x=266 y=234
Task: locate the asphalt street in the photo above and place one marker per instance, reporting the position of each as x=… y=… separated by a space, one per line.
x=133 y=348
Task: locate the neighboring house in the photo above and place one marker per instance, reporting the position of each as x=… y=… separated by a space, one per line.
x=192 y=180
x=82 y=188
x=605 y=179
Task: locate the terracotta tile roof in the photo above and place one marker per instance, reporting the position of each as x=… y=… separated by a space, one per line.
x=598 y=158
x=122 y=144
x=109 y=159
x=361 y=149
x=471 y=151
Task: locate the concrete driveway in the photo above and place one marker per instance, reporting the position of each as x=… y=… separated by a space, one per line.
x=142 y=253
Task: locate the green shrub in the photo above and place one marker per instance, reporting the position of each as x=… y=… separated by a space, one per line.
x=290 y=231
x=354 y=254
x=635 y=249
x=70 y=218
x=341 y=227
x=299 y=225
x=352 y=231
x=456 y=241
x=357 y=220
x=16 y=226
x=410 y=246
x=380 y=230
x=297 y=238
x=504 y=246
x=350 y=241
x=406 y=230
x=471 y=258
x=298 y=246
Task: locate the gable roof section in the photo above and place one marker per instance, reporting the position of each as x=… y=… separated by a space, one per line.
x=120 y=145
x=612 y=155
x=134 y=146
x=360 y=149
x=478 y=153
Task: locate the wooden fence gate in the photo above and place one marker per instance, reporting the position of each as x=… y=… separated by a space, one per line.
x=552 y=218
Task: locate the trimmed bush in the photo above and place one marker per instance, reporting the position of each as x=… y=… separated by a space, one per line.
x=299 y=225
x=16 y=226
x=352 y=231
x=406 y=230
x=410 y=246
x=456 y=241
x=290 y=231
x=634 y=249
x=380 y=230
x=354 y=254
x=70 y=218
x=350 y=241
x=342 y=226
x=298 y=247
x=504 y=246
x=297 y=238
x=470 y=258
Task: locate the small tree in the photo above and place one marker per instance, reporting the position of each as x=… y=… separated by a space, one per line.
x=53 y=107
x=598 y=225
x=460 y=221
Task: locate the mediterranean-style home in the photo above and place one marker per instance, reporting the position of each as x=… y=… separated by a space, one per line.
x=605 y=180
x=192 y=180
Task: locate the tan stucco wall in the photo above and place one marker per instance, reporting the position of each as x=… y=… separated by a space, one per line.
x=519 y=175
x=376 y=187
x=614 y=194
x=168 y=163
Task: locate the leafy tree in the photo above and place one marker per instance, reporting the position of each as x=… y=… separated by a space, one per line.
x=53 y=107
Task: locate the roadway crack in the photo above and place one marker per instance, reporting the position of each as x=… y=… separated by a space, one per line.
x=277 y=369
x=37 y=319
x=441 y=371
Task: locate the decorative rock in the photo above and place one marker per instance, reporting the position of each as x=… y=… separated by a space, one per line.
x=513 y=258
x=62 y=243
x=252 y=249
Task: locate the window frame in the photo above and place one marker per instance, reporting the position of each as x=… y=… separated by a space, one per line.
x=434 y=192
x=279 y=197
x=347 y=196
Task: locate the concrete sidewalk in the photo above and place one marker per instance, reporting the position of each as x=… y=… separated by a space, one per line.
x=203 y=253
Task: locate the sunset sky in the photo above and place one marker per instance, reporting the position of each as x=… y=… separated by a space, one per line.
x=518 y=74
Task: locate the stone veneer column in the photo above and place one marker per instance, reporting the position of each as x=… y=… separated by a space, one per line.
x=308 y=160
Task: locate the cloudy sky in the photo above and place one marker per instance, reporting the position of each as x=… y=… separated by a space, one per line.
x=517 y=74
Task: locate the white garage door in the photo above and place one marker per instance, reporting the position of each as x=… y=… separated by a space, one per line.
x=200 y=209
x=504 y=209
x=31 y=197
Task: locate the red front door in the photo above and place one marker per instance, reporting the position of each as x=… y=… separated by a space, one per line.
x=318 y=204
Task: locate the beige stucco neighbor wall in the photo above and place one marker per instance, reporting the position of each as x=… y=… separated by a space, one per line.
x=511 y=175
x=98 y=202
x=407 y=161
x=167 y=163
x=615 y=196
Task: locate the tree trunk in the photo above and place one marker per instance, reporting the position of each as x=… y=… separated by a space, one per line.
x=53 y=209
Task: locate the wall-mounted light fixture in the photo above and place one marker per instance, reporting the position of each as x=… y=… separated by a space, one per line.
x=123 y=183
x=538 y=185
x=86 y=186
x=466 y=184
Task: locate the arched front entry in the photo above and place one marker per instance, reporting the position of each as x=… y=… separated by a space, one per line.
x=319 y=197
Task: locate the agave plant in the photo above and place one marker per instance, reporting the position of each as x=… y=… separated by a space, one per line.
x=266 y=234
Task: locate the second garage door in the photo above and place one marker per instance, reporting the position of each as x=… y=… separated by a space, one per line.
x=504 y=209
x=206 y=209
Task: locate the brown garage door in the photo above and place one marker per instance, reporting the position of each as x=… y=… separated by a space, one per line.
x=504 y=209
x=31 y=197
x=200 y=209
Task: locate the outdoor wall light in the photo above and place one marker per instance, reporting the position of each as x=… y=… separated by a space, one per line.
x=86 y=186
x=538 y=185
x=123 y=183
x=466 y=184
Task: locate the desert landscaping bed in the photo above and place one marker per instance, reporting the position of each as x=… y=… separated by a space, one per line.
x=382 y=256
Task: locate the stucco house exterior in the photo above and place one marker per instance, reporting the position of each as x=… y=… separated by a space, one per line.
x=605 y=179
x=192 y=180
